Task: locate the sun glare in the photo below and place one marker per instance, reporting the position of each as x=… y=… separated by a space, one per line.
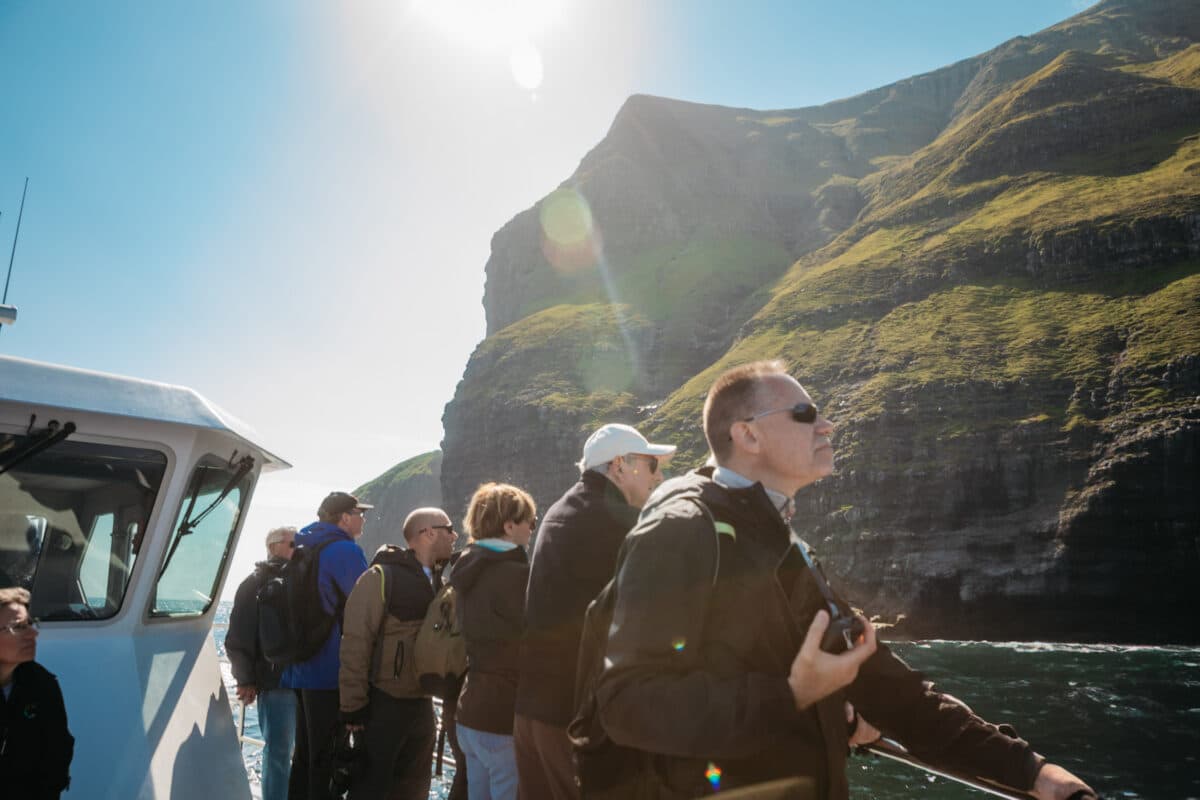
x=503 y=23
x=510 y=25
x=526 y=64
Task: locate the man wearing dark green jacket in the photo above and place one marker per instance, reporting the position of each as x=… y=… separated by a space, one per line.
x=714 y=673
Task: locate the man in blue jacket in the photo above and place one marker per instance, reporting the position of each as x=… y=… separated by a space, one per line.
x=340 y=522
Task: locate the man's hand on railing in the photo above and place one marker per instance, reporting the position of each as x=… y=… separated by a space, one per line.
x=246 y=694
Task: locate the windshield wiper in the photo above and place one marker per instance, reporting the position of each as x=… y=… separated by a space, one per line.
x=44 y=439
x=189 y=523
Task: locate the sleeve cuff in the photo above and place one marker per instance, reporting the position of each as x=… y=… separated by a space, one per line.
x=357 y=717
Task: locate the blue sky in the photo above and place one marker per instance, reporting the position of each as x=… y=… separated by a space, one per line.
x=288 y=205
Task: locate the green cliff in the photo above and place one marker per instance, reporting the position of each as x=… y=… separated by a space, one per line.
x=988 y=274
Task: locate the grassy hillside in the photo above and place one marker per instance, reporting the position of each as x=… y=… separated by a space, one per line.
x=960 y=281
x=989 y=275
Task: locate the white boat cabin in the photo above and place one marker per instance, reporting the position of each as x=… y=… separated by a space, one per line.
x=121 y=504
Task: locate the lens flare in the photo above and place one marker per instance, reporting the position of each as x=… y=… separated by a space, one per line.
x=609 y=367
x=713 y=774
x=570 y=241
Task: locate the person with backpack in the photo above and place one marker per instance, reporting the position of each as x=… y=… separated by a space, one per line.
x=719 y=671
x=332 y=539
x=490 y=579
x=381 y=693
x=257 y=677
x=573 y=557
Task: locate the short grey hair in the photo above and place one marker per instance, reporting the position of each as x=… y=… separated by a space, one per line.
x=276 y=535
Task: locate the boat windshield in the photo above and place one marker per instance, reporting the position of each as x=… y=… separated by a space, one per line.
x=202 y=538
x=71 y=524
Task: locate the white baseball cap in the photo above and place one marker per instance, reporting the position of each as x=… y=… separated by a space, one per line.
x=614 y=440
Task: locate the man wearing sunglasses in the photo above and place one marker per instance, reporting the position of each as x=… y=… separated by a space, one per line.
x=257 y=678
x=378 y=694
x=573 y=557
x=716 y=664
x=340 y=521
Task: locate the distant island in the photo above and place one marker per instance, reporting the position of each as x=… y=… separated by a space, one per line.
x=988 y=274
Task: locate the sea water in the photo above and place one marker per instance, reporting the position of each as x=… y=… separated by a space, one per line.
x=1126 y=719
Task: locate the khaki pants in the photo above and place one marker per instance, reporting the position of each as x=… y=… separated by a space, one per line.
x=545 y=765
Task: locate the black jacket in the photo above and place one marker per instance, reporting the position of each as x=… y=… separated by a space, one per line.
x=35 y=745
x=491 y=606
x=414 y=590
x=698 y=674
x=573 y=557
x=246 y=660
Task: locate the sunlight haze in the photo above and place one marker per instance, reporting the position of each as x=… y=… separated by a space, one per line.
x=288 y=206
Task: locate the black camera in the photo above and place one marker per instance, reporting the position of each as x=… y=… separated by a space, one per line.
x=842 y=633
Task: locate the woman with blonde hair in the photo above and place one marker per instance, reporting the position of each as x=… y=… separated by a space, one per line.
x=490 y=579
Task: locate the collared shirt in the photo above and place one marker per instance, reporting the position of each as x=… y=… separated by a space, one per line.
x=726 y=477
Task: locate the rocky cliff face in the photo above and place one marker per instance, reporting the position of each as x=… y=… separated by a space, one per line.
x=990 y=274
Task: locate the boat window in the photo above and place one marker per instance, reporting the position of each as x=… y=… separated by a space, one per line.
x=69 y=518
x=200 y=541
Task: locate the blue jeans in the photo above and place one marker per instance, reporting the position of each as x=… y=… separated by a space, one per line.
x=277 y=719
x=491 y=764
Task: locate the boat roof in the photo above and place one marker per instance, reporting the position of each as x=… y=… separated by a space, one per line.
x=71 y=388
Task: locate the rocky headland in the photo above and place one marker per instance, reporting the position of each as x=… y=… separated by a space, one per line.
x=988 y=274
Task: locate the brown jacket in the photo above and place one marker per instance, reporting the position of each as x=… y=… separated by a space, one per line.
x=378 y=633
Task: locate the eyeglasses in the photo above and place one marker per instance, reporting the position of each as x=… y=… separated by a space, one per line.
x=446 y=528
x=17 y=628
x=357 y=512
x=289 y=544
x=801 y=412
x=652 y=461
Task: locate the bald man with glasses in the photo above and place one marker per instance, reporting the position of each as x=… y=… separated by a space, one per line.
x=377 y=695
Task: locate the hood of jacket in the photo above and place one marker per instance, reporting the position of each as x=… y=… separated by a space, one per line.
x=395 y=555
x=476 y=558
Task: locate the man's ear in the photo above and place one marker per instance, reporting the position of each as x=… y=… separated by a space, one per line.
x=744 y=437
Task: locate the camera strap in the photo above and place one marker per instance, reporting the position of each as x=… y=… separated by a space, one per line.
x=818 y=575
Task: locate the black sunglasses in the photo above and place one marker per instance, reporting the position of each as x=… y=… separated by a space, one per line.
x=801 y=412
x=652 y=461
x=446 y=528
